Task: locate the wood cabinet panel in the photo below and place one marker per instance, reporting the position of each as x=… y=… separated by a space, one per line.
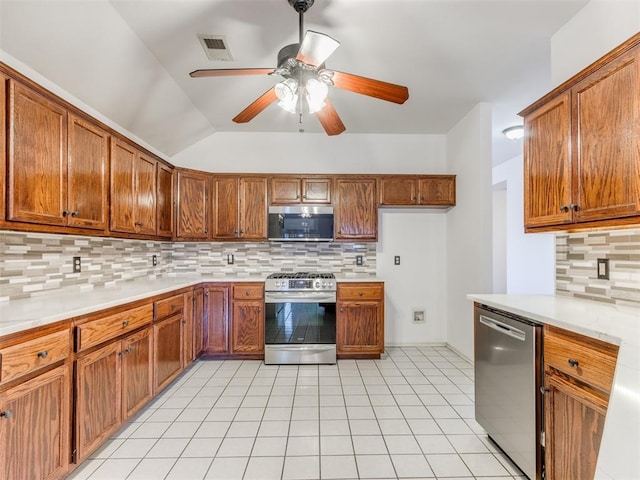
x=188 y=350
x=193 y=205
x=88 y=175
x=216 y=321
x=137 y=371
x=247 y=327
x=106 y=328
x=145 y=194
x=4 y=86
x=547 y=164
x=292 y=190
x=316 y=190
x=26 y=357
x=361 y=291
x=285 y=190
x=37 y=176
x=98 y=397
x=248 y=291
x=34 y=430
x=399 y=191
x=123 y=187
x=356 y=212
x=168 y=306
x=437 y=191
x=198 y=320
x=168 y=339
x=253 y=208
x=360 y=320
x=226 y=212
x=164 y=201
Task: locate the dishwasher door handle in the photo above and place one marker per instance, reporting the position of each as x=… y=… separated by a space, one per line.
x=503 y=328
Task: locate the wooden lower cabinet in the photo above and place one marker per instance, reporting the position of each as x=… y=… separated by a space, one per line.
x=188 y=350
x=198 y=320
x=34 y=427
x=360 y=320
x=216 y=320
x=168 y=351
x=247 y=322
x=137 y=371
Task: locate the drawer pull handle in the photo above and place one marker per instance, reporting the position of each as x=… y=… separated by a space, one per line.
x=361 y=293
x=572 y=362
x=6 y=414
x=43 y=354
x=125 y=324
x=247 y=293
x=173 y=306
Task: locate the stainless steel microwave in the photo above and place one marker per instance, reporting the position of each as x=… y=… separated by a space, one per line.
x=301 y=224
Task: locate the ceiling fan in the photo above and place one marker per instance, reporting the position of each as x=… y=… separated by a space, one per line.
x=307 y=81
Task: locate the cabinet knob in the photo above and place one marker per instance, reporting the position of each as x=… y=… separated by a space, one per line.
x=544 y=390
x=128 y=350
x=74 y=214
x=304 y=196
x=564 y=208
x=573 y=362
x=360 y=294
x=125 y=324
x=43 y=354
x=6 y=414
x=574 y=207
x=138 y=224
x=247 y=293
x=65 y=213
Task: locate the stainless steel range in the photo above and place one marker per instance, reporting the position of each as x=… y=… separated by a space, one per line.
x=300 y=319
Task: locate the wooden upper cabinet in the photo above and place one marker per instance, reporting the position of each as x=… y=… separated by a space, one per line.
x=606 y=107
x=240 y=208
x=4 y=81
x=356 y=212
x=547 y=164
x=164 y=200
x=291 y=190
x=88 y=175
x=133 y=190
x=37 y=163
x=192 y=205
x=425 y=190
x=581 y=161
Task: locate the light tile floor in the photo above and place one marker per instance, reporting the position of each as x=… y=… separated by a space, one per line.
x=407 y=415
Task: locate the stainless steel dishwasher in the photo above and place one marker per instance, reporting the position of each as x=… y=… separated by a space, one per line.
x=508 y=376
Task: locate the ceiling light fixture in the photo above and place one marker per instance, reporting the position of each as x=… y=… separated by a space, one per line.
x=514 y=133
x=313 y=90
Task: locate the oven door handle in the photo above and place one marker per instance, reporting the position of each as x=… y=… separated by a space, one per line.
x=299 y=297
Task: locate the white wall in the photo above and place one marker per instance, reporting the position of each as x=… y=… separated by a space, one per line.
x=595 y=30
x=530 y=258
x=499 y=238
x=469 y=224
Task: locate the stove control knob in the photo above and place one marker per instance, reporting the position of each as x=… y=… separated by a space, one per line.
x=317 y=284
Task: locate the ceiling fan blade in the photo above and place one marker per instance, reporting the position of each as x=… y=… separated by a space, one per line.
x=262 y=102
x=316 y=48
x=368 y=86
x=228 y=72
x=329 y=119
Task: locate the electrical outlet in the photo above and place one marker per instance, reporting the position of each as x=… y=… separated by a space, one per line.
x=359 y=260
x=154 y=260
x=418 y=316
x=396 y=260
x=603 y=268
x=77 y=265
x=230 y=259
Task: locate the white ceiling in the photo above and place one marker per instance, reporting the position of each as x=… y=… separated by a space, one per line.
x=130 y=59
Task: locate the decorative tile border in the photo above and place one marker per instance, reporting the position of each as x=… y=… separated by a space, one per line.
x=576 y=266
x=32 y=264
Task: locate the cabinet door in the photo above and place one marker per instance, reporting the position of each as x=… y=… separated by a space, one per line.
x=225 y=208
x=137 y=371
x=88 y=175
x=188 y=355
x=164 y=201
x=123 y=187
x=37 y=163
x=98 y=398
x=547 y=164
x=216 y=319
x=437 y=191
x=359 y=328
x=193 y=205
x=247 y=327
x=398 y=191
x=574 y=422
x=4 y=83
x=145 y=199
x=168 y=341
x=285 y=190
x=316 y=190
x=356 y=212
x=198 y=321
x=607 y=131
x=34 y=430
x=253 y=205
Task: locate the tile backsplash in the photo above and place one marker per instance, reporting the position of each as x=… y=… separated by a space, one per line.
x=32 y=264
x=576 y=266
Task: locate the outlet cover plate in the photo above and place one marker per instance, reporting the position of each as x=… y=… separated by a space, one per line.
x=603 y=268
x=77 y=265
x=359 y=260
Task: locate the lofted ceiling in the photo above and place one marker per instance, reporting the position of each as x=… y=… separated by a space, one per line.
x=129 y=60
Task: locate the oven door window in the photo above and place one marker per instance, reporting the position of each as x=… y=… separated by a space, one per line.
x=300 y=323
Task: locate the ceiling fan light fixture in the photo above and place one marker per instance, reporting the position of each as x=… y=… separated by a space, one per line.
x=316 y=90
x=287 y=91
x=290 y=105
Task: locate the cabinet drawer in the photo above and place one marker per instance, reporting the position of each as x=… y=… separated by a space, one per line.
x=103 y=329
x=248 y=291
x=360 y=291
x=26 y=357
x=169 y=306
x=586 y=359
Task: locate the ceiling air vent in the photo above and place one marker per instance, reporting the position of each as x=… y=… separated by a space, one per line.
x=215 y=46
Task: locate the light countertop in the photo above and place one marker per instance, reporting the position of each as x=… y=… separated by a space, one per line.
x=618 y=458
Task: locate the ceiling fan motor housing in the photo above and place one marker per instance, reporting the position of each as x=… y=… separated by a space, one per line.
x=301 y=5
